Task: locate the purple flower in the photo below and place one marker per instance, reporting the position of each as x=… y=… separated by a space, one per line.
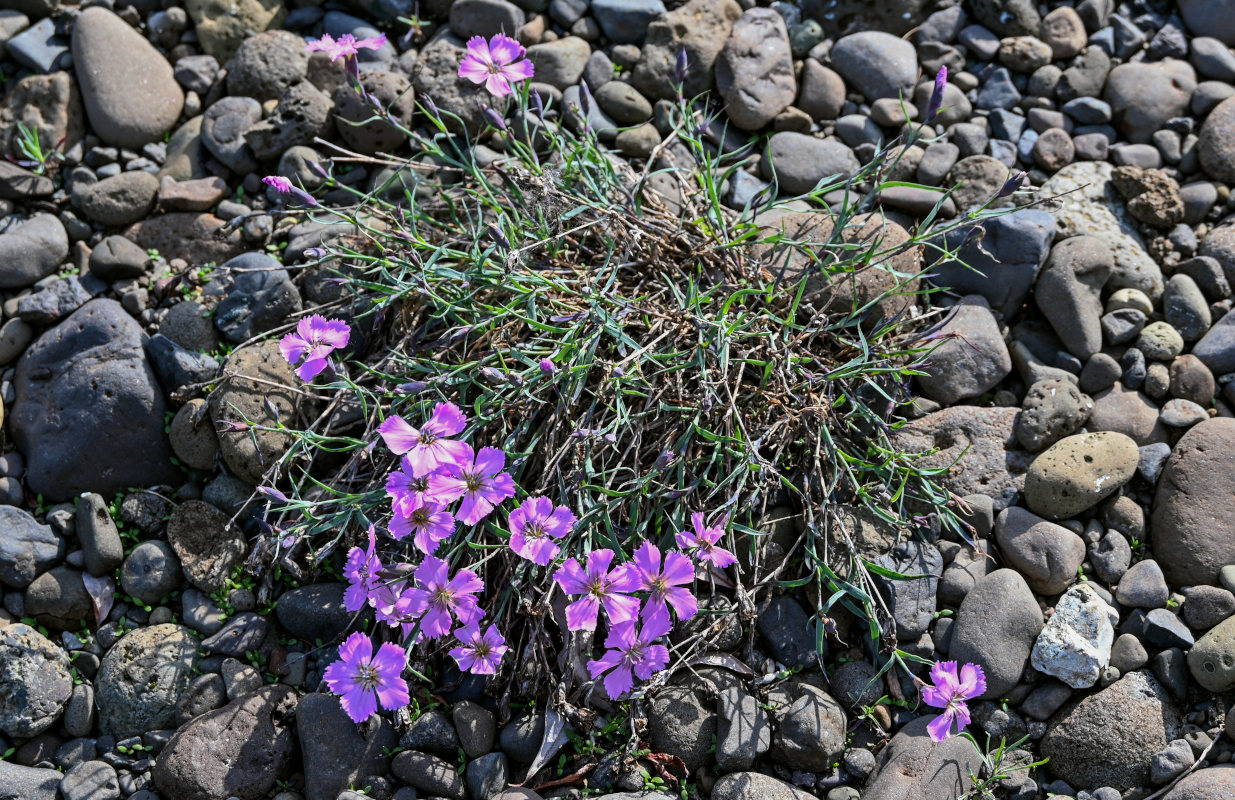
x=1013 y=183
x=480 y=482
x=314 y=340
x=362 y=678
x=480 y=653
x=437 y=597
x=941 y=81
x=702 y=542
x=430 y=524
x=283 y=186
x=547 y=366
x=533 y=526
x=495 y=63
x=599 y=586
x=407 y=493
x=950 y=693
x=347 y=46
x=631 y=652
x=680 y=67
x=361 y=572
x=429 y=448
x=665 y=585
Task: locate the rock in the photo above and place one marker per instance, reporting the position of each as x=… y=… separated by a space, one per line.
x=913 y=766
x=744 y=731
x=201 y=194
x=58 y=599
x=1110 y=556
x=1206 y=606
x=27 y=547
x=1127 y=412
x=785 y=630
x=682 y=724
x=237 y=400
x=151 y=572
x=203 y=695
x=754 y=72
x=142 y=676
x=969 y=565
x=116 y=258
x=1064 y=32
x=1143 y=96
x=701 y=28
x=756 y=786
x=798 y=162
x=130 y=93
x=302 y=115
x=810 y=727
x=1210 y=783
x=266 y=65
x=485 y=18
x=192 y=439
x=1108 y=738
x=193 y=237
x=223 y=128
x=1069 y=292
x=177 y=367
x=996 y=627
x=822 y=91
x=1186 y=309
x=971 y=357
x=239 y=750
x=85 y=395
x=1153 y=196
x=1090 y=205
x=1143 y=586
x=98 y=535
x=49 y=105
x=437 y=75
x=119 y=200
x=1212 y=659
x=35 y=682
x=1047 y=554
x=912 y=602
x=336 y=752
x=1128 y=654
x=1214 y=145
x=1075 y=645
x=244 y=632
x=29 y=783
x=1216 y=349
x=314 y=612
x=980 y=178
x=476 y=727
x=1170 y=762
x=1051 y=410
x=91 y=780
x=189 y=325
x=560 y=63
x=31 y=250
x=877 y=64
x=208 y=546
x=1078 y=472
x=428 y=774
x=1195 y=495
x=186 y=156
x=394 y=93
x=222 y=25
x=1003 y=266
x=977 y=450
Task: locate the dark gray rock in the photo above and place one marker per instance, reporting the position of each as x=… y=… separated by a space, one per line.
x=682 y=723
x=208 y=545
x=116 y=258
x=244 y=632
x=91 y=780
x=314 y=612
x=476 y=728
x=336 y=752
x=27 y=547
x=31 y=250
x=432 y=732
x=98 y=535
x=89 y=412
x=798 y=162
x=911 y=601
x=626 y=21
x=56 y=300
x=1068 y=292
x=912 y=766
x=223 y=128
x=177 y=366
x=58 y=599
x=754 y=72
x=151 y=572
x=28 y=783
x=996 y=627
x=429 y=774
x=1216 y=349
x=487 y=776
x=786 y=632
x=206 y=693
x=257 y=296
x=970 y=356
x=743 y=730
x=1003 y=266
x=810 y=727
x=877 y=64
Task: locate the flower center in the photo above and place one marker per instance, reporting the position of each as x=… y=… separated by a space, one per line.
x=474 y=483
x=420 y=517
x=597 y=588
x=635 y=654
x=366 y=676
x=441 y=596
x=534 y=530
x=481 y=648
x=658 y=585
x=495 y=69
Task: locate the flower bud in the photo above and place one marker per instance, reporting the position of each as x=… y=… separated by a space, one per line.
x=1013 y=184
x=492 y=375
x=547 y=366
x=680 y=67
x=585 y=98
x=665 y=458
x=412 y=387
x=496 y=234
x=494 y=118
x=941 y=81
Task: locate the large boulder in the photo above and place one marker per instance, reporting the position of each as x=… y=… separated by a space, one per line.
x=89 y=411
x=1193 y=524
x=1211 y=783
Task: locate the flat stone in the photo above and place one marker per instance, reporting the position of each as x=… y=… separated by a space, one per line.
x=35 y=682
x=1078 y=472
x=754 y=72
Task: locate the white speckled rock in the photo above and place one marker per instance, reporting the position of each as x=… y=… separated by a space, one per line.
x=1096 y=209
x=1075 y=645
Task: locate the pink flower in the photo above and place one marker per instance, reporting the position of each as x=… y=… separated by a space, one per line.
x=665 y=585
x=362 y=679
x=480 y=654
x=495 y=63
x=314 y=340
x=533 y=526
x=599 y=586
x=430 y=524
x=702 y=542
x=284 y=186
x=950 y=693
x=630 y=652
x=406 y=492
x=347 y=45
x=480 y=482
x=437 y=596
x=429 y=448
x=361 y=572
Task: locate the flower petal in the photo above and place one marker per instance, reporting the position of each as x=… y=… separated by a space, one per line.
x=398 y=435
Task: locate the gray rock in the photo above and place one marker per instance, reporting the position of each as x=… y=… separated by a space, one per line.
x=1051 y=410
x=302 y=115
x=970 y=357
x=626 y=21
x=476 y=728
x=35 y=682
x=58 y=599
x=743 y=730
x=141 y=678
x=754 y=72
x=151 y=572
x=91 y=780
x=996 y=627
x=244 y=632
x=1108 y=738
x=116 y=258
x=913 y=766
x=337 y=753
x=798 y=162
x=432 y=732
x=29 y=783
x=683 y=724
x=248 y=454
x=486 y=777
x=1078 y=472
x=785 y=629
x=314 y=612
x=27 y=547
x=1206 y=606
x=1143 y=586
x=208 y=545
x=754 y=786
x=1110 y=557
x=177 y=366
x=560 y=63
x=257 y=296
x=128 y=88
x=1003 y=266
x=810 y=727
x=223 y=128
x=86 y=394
x=119 y=200
x=1143 y=96
x=1047 y=554
x=701 y=28
x=266 y=65
x=1069 y=292
x=1211 y=783
x=206 y=693
x=429 y=774
x=189 y=325
x=877 y=64
x=31 y=250
x=911 y=601
x=1216 y=349
x=98 y=535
